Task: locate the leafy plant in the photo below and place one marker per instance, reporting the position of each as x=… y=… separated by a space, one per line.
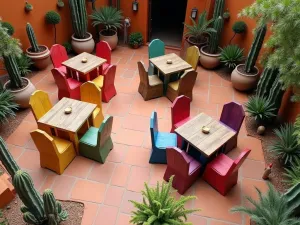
x=135 y=38
x=239 y=27
x=68 y=47
x=260 y=108
x=53 y=18
x=297 y=128
x=272 y=208
x=24 y=63
x=231 y=55
x=286 y=147
x=109 y=17
x=9 y=27
x=7 y=106
x=159 y=207
x=292 y=174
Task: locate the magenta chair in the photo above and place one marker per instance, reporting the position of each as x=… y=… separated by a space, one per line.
x=232 y=116
x=222 y=172
x=103 y=50
x=108 y=89
x=58 y=55
x=185 y=169
x=67 y=87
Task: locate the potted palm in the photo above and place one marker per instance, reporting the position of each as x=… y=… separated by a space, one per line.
x=82 y=41
x=110 y=18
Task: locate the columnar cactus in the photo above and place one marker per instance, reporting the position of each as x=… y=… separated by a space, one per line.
x=293 y=197
x=118 y=4
x=276 y=94
x=216 y=37
x=13 y=71
x=265 y=82
x=255 y=48
x=32 y=38
x=219 y=8
x=78 y=18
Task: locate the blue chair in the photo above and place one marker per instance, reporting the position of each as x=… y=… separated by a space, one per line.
x=156 y=48
x=160 y=141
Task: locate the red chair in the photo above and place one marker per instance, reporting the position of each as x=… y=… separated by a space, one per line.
x=67 y=87
x=184 y=167
x=222 y=172
x=232 y=116
x=58 y=55
x=103 y=50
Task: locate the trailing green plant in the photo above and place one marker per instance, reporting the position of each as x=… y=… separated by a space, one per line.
x=7 y=106
x=24 y=63
x=53 y=18
x=286 y=146
x=135 y=38
x=293 y=198
x=218 y=9
x=215 y=37
x=109 y=17
x=239 y=27
x=271 y=208
x=292 y=174
x=32 y=39
x=255 y=48
x=28 y=7
x=159 y=207
x=68 y=47
x=231 y=55
x=78 y=18
x=9 y=27
x=7 y=160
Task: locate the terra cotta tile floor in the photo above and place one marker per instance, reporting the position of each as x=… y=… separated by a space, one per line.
x=105 y=189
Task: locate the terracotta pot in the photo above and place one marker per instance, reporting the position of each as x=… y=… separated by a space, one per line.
x=22 y=96
x=112 y=40
x=41 y=59
x=207 y=60
x=199 y=45
x=136 y=46
x=83 y=45
x=243 y=81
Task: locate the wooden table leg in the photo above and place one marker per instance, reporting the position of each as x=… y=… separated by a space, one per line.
x=166 y=82
x=74 y=138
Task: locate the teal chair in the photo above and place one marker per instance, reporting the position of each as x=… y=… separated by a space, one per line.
x=96 y=143
x=156 y=48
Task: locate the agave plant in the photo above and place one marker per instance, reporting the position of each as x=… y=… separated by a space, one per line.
x=24 y=63
x=286 y=147
x=297 y=126
x=7 y=105
x=231 y=55
x=292 y=174
x=159 y=207
x=272 y=208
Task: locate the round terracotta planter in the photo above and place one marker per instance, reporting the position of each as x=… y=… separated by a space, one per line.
x=112 y=40
x=41 y=59
x=83 y=45
x=22 y=96
x=207 y=60
x=198 y=44
x=243 y=81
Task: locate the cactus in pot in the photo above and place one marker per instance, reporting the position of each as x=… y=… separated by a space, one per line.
x=7 y=160
x=266 y=81
x=32 y=38
x=218 y=9
x=215 y=38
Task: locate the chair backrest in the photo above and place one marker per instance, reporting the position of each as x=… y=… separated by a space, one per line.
x=153 y=127
x=180 y=109
x=44 y=142
x=109 y=76
x=192 y=56
x=233 y=115
x=156 y=48
x=143 y=73
x=39 y=103
x=176 y=160
x=90 y=92
x=104 y=131
x=187 y=81
x=103 y=50
x=58 y=55
x=239 y=160
x=60 y=80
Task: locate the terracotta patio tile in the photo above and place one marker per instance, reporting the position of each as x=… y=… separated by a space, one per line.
x=226 y=83
x=15 y=151
x=216 y=90
x=138 y=176
x=117 y=123
x=107 y=215
x=114 y=196
x=21 y=135
x=157 y=173
x=79 y=167
x=30 y=159
x=102 y=172
x=49 y=87
x=220 y=98
x=203 y=76
x=62 y=187
x=38 y=177
x=197 y=220
x=48 y=182
x=135 y=122
x=137 y=156
x=38 y=76
x=118 y=153
x=90 y=213
x=240 y=96
x=143 y=108
x=123 y=219
x=215 y=80
x=30 y=145
x=120 y=175
x=164 y=125
x=30 y=118
x=117 y=109
x=130 y=72
x=132 y=89
x=254 y=144
x=88 y=191
x=164 y=102
x=252 y=169
x=129 y=137
x=215 y=222
x=127 y=207
x=199 y=99
x=122 y=98
x=147 y=142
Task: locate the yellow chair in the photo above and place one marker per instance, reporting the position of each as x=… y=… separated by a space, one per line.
x=192 y=56
x=55 y=153
x=40 y=104
x=89 y=92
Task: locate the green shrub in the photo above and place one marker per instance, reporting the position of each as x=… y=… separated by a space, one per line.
x=292 y=174
x=7 y=105
x=239 y=27
x=53 y=18
x=9 y=27
x=24 y=63
x=231 y=55
x=135 y=38
x=68 y=47
x=297 y=128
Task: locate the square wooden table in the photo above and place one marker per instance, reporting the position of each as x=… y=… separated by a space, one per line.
x=209 y=143
x=75 y=65
x=68 y=126
x=178 y=65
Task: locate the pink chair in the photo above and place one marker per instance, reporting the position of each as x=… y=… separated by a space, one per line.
x=222 y=172
x=67 y=87
x=58 y=55
x=108 y=89
x=103 y=50
x=184 y=167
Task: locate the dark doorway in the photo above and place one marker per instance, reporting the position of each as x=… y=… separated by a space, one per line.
x=166 y=21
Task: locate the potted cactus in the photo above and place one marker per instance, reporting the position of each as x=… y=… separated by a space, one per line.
x=82 y=41
x=39 y=54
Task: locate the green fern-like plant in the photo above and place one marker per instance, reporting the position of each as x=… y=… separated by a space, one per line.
x=7 y=106
x=159 y=207
x=231 y=55
x=297 y=128
x=292 y=174
x=24 y=63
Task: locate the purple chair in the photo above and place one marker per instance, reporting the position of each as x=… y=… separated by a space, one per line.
x=185 y=169
x=232 y=116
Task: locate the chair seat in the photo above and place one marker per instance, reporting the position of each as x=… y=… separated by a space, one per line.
x=164 y=140
x=90 y=137
x=62 y=69
x=194 y=165
x=174 y=85
x=176 y=125
x=61 y=144
x=99 y=81
x=73 y=84
x=154 y=80
x=221 y=164
x=105 y=66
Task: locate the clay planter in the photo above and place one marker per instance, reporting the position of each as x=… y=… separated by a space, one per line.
x=243 y=81
x=135 y=46
x=192 y=42
x=40 y=59
x=22 y=96
x=207 y=60
x=83 y=45
x=112 y=40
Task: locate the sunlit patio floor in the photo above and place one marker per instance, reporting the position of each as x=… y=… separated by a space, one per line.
x=106 y=188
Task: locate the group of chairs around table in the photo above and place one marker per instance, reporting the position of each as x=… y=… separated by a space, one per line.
x=220 y=171
x=69 y=86
x=57 y=153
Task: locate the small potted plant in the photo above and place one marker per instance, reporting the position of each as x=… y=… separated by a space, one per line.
x=28 y=7
x=60 y=4
x=136 y=40
x=53 y=18
x=231 y=55
x=111 y=19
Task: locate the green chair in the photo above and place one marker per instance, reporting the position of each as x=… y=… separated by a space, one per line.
x=156 y=48
x=97 y=143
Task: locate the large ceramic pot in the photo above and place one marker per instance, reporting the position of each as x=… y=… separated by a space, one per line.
x=83 y=45
x=191 y=40
x=112 y=40
x=243 y=81
x=207 y=60
x=40 y=59
x=22 y=96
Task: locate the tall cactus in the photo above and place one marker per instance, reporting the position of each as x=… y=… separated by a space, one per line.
x=78 y=18
x=32 y=38
x=293 y=197
x=255 y=48
x=7 y=160
x=276 y=94
x=13 y=71
x=219 y=8
x=265 y=82
x=118 y=5
x=216 y=36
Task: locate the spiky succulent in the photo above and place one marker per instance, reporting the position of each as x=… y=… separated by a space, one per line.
x=7 y=105
x=24 y=63
x=231 y=55
x=292 y=174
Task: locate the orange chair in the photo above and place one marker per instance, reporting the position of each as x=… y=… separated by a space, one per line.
x=89 y=92
x=40 y=104
x=7 y=190
x=55 y=153
x=192 y=56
